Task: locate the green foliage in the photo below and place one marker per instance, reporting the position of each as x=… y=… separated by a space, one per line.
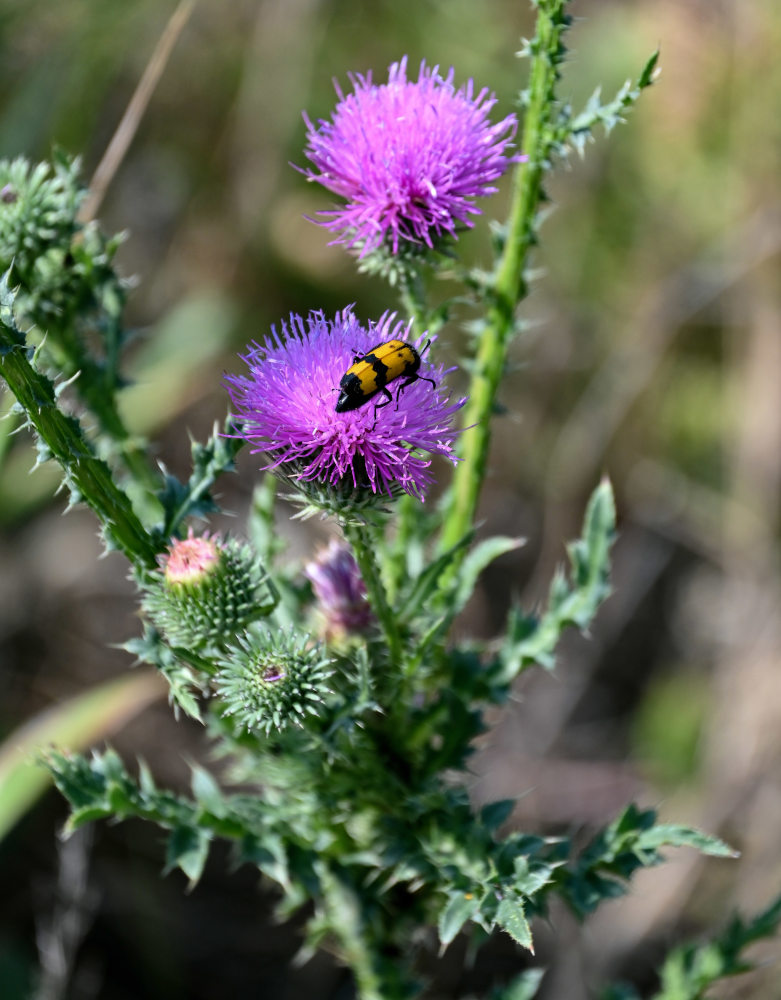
x=524 y=987
x=431 y=842
x=689 y=970
x=579 y=130
x=180 y=668
x=632 y=842
x=77 y=722
x=60 y=436
x=193 y=498
x=571 y=602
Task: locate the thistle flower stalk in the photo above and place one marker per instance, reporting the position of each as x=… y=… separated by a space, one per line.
x=364 y=546
x=509 y=286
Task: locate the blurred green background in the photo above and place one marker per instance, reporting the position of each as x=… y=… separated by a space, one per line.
x=653 y=354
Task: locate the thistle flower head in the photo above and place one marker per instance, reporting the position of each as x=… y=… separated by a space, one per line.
x=270 y=682
x=286 y=409
x=61 y=267
x=409 y=158
x=206 y=592
x=340 y=591
x=38 y=206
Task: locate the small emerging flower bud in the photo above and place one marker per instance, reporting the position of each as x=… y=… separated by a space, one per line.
x=8 y=194
x=206 y=592
x=270 y=682
x=340 y=591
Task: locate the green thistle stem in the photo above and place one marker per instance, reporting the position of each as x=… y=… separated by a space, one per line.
x=85 y=472
x=413 y=298
x=357 y=536
x=509 y=286
x=9 y=421
x=407 y=510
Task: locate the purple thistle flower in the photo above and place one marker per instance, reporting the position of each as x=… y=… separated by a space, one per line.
x=285 y=408
x=408 y=157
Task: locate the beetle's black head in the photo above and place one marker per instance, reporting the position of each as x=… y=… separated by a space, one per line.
x=349 y=401
x=351 y=394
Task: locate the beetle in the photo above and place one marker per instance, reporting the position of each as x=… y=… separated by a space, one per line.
x=370 y=373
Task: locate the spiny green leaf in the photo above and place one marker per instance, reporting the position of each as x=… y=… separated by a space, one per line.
x=571 y=602
x=510 y=916
x=578 y=130
x=495 y=813
x=188 y=849
x=76 y=723
x=207 y=792
x=194 y=499
x=473 y=565
x=424 y=585
x=673 y=835
x=461 y=906
x=690 y=970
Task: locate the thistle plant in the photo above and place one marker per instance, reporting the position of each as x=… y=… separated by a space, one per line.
x=342 y=707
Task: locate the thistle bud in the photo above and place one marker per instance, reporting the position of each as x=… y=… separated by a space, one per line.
x=340 y=591
x=207 y=591
x=271 y=682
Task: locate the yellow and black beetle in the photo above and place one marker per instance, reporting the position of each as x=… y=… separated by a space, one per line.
x=370 y=373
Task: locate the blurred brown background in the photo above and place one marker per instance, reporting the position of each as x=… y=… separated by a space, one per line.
x=654 y=355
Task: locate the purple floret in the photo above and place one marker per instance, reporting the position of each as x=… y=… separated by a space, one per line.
x=409 y=158
x=285 y=408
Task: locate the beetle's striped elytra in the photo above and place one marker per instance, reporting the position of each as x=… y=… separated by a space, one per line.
x=370 y=373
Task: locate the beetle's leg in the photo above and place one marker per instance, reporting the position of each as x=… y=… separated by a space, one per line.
x=409 y=380
x=384 y=389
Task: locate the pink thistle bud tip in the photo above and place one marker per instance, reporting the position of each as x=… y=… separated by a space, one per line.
x=189 y=560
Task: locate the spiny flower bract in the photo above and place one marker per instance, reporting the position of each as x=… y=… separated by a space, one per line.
x=269 y=682
x=285 y=409
x=408 y=157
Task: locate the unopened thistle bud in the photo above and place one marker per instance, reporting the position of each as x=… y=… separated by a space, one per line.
x=270 y=682
x=206 y=592
x=340 y=591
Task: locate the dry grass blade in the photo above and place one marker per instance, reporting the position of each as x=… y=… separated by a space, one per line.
x=120 y=142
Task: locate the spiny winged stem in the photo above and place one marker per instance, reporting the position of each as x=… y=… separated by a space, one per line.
x=85 y=473
x=98 y=396
x=509 y=286
x=363 y=548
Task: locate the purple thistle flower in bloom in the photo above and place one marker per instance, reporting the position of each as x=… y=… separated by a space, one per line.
x=286 y=409
x=408 y=157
